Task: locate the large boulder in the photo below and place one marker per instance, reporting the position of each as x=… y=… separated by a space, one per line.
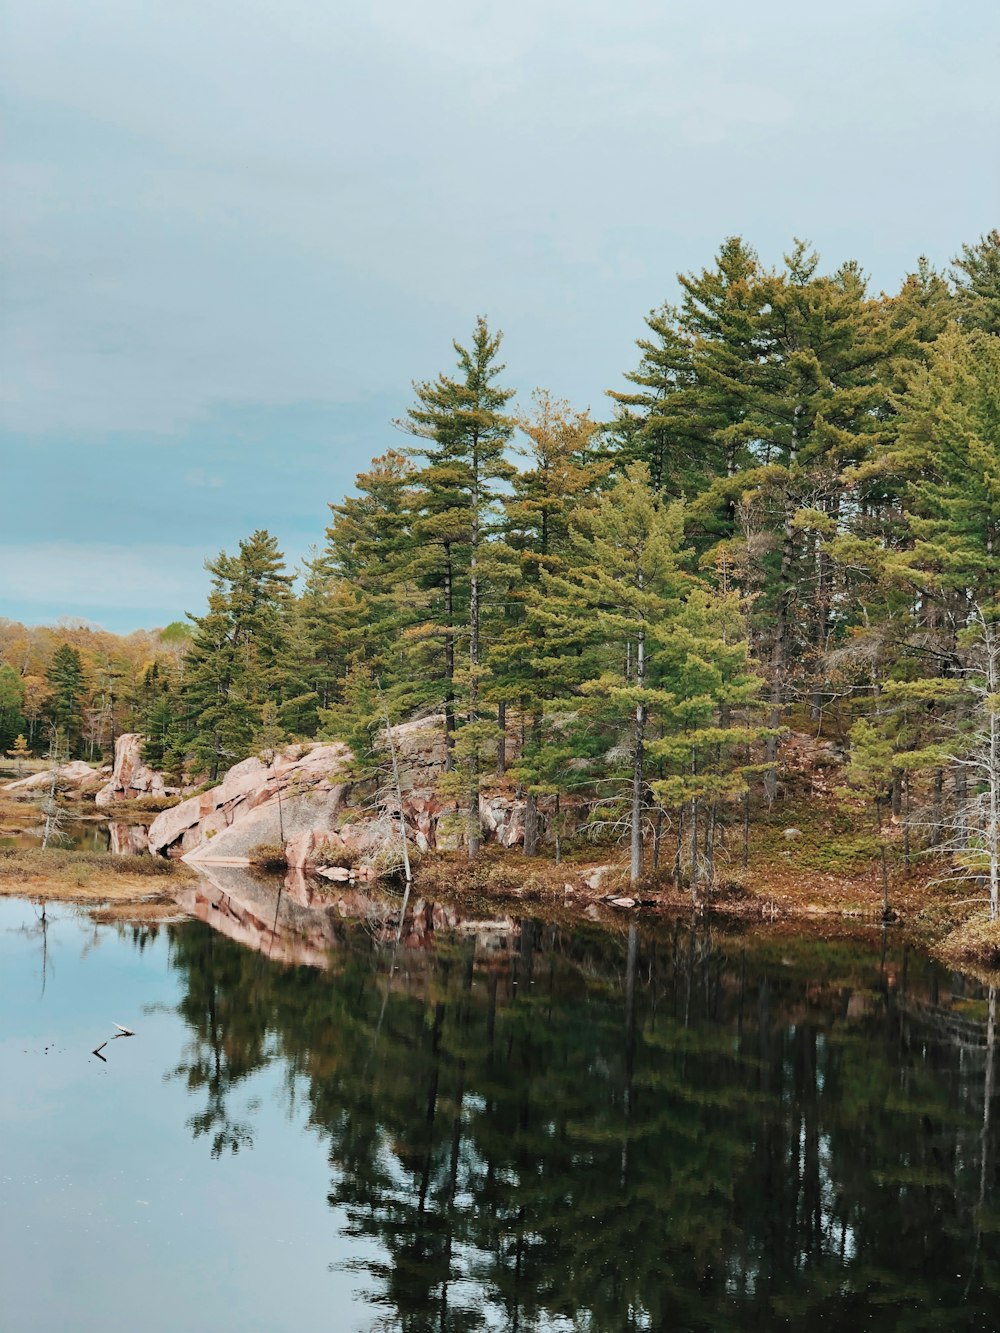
x=131 y=776
x=74 y=774
x=308 y=802
x=254 y=804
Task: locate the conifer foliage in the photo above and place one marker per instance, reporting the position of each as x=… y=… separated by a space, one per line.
x=790 y=520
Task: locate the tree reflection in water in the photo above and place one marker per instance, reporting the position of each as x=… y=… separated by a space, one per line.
x=668 y=1130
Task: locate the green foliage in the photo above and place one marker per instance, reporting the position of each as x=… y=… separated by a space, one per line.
x=796 y=506
x=12 y=719
x=66 y=681
x=237 y=662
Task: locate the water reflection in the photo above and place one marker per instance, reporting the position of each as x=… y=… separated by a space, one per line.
x=78 y=835
x=546 y=1129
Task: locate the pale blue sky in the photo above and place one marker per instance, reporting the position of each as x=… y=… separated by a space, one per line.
x=233 y=231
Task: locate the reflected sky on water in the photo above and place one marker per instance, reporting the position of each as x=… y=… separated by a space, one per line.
x=510 y=1125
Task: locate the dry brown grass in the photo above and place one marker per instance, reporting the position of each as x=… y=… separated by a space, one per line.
x=497 y=871
x=974 y=944
x=140 y=811
x=86 y=876
x=17 y=815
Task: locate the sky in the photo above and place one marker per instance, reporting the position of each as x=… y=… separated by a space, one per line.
x=234 y=232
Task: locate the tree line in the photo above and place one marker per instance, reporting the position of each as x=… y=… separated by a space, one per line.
x=788 y=518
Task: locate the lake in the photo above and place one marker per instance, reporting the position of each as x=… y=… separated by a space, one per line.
x=500 y=1125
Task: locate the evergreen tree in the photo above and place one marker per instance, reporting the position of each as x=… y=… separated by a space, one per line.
x=461 y=418
x=811 y=378
x=655 y=423
x=530 y=665
x=948 y=457
x=663 y=664
x=977 y=280
x=236 y=662
x=12 y=719
x=65 y=677
x=368 y=598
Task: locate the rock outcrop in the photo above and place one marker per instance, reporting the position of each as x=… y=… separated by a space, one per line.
x=131 y=776
x=74 y=774
x=308 y=802
x=299 y=793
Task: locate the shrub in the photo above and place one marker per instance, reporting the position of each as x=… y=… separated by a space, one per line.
x=269 y=857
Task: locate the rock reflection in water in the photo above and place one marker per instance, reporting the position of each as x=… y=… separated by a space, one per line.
x=127 y=839
x=673 y=1131
x=297 y=918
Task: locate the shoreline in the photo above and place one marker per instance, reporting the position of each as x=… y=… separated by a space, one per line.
x=945 y=920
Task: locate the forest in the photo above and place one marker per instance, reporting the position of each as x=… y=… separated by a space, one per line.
x=786 y=518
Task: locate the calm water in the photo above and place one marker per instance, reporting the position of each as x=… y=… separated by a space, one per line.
x=78 y=835
x=518 y=1127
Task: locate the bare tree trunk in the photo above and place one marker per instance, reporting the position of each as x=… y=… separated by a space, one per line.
x=530 y=824
x=657 y=837
x=937 y=807
x=501 y=738
x=679 y=849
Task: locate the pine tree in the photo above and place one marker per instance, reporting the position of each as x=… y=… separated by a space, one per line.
x=664 y=668
x=368 y=599
x=462 y=420
x=237 y=658
x=529 y=669
x=977 y=281
x=655 y=423
x=811 y=377
x=12 y=719
x=941 y=570
x=65 y=677
x=948 y=456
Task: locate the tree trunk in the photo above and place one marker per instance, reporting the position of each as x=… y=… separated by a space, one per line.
x=937 y=807
x=638 y=761
x=475 y=827
x=530 y=824
x=779 y=650
x=679 y=849
x=657 y=837
x=993 y=771
x=635 y=859
x=501 y=739
x=449 y=660
x=710 y=845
